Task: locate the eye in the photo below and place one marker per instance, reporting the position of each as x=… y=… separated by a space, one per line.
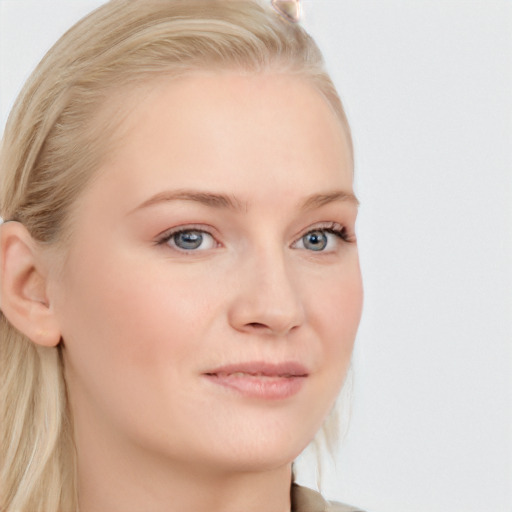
x=322 y=239
x=189 y=240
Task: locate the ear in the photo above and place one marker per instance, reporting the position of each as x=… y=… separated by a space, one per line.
x=23 y=284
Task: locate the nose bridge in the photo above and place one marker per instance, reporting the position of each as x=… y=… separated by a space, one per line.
x=268 y=298
x=274 y=275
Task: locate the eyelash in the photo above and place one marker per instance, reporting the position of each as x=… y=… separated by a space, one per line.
x=333 y=228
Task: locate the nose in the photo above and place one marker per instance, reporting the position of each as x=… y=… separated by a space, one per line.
x=267 y=299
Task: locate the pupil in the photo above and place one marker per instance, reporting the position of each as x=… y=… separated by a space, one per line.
x=315 y=241
x=188 y=239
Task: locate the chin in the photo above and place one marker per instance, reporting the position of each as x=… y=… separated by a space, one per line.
x=262 y=451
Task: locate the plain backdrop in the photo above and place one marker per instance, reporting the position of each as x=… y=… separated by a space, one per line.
x=427 y=86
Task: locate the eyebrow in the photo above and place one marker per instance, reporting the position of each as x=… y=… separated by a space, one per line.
x=225 y=201
x=318 y=200
x=207 y=198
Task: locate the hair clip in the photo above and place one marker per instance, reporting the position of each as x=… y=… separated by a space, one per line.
x=288 y=9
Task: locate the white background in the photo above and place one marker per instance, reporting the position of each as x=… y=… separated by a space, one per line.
x=427 y=85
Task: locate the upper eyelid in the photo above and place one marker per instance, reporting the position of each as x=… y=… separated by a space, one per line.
x=323 y=226
x=168 y=233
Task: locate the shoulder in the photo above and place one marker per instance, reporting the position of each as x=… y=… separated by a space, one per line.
x=307 y=500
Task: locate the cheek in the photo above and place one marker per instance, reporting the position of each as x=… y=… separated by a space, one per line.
x=138 y=316
x=132 y=332
x=337 y=313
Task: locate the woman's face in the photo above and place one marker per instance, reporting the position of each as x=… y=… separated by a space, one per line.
x=211 y=294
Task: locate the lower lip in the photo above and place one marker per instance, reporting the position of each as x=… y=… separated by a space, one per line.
x=265 y=388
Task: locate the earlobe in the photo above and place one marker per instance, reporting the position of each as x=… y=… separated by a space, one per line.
x=23 y=285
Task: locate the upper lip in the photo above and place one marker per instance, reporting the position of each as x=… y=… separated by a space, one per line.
x=285 y=369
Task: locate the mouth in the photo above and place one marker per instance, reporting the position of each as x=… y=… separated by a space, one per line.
x=260 y=380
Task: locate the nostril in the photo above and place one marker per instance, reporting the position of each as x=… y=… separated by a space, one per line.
x=257 y=325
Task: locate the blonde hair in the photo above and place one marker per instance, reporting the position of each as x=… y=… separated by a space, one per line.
x=52 y=146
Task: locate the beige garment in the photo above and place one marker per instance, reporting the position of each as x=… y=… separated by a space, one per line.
x=307 y=500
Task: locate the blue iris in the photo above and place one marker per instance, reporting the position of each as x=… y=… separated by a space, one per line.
x=188 y=239
x=315 y=241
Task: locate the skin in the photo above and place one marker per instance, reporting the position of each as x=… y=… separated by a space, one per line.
x=143 y=321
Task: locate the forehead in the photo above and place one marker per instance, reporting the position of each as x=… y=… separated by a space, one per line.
x=246 y=132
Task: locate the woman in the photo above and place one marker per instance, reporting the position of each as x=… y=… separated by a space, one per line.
x=180 y=279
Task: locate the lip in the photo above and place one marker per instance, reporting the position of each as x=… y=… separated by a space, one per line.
x=257 y=379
